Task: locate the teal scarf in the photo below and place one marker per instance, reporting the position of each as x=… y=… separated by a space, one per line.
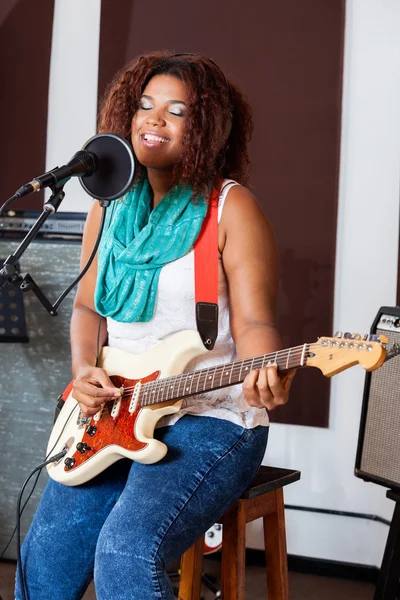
x=137 y=243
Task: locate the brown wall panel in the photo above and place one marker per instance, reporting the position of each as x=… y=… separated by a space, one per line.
x=288 y=58
x=25 y=46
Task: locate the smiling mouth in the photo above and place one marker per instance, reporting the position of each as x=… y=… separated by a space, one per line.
x=149 y=137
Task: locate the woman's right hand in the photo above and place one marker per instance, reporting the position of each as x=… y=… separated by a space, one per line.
x=92 y=388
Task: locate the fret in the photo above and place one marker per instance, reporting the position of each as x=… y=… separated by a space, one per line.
x=287 y=360
x=172 y=392
x=226 y=374
x=180 y=381
x=303 y=355
x=190 y=377
x=156 y=392
x=198 y=381
x=142 y=397
x=202 y=379
x=240 y=370
x=236 y=376
x=213 y=377
x=207 y=376
x=246 y=368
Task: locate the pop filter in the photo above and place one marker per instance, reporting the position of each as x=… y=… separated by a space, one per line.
x=115 y=167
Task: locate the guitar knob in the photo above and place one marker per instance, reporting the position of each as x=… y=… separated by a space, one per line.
x=82 y=447
x=210 y=534
x=91 y=430
x=69 y=462
x=217 y=526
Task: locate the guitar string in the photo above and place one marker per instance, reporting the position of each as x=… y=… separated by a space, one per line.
x=233 y=369
x=290 y=353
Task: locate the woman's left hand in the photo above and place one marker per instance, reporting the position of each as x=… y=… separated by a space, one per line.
x=265 y=388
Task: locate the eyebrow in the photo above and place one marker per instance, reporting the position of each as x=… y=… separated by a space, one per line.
x=170 y=101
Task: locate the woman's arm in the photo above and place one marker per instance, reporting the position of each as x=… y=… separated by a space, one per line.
x=251 y=264
x=92 y=386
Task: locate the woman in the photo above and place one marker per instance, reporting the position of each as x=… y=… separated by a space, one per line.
x=189 y=129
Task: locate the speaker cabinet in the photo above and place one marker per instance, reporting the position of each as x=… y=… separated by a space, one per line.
x=34 y=371
x=378 y=453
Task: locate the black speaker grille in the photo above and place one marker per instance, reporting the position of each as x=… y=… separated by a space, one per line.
x=380 y=456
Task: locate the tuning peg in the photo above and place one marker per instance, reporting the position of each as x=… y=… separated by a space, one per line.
x=356 y=336
x=383 y=339
x=347 y=336
x=373 y=338
x=365 y=337
x=338 y=334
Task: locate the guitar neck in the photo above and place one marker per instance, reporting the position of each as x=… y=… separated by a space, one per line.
x=220 y=376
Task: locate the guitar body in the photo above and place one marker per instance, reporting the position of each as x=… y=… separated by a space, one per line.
x=124 y=429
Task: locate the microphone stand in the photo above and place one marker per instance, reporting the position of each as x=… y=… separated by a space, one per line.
x=9 y=272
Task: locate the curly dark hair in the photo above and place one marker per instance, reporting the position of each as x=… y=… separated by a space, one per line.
x=218 y=124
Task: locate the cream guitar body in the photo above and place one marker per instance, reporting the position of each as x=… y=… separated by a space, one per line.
x=123 y=429
x=153 y=385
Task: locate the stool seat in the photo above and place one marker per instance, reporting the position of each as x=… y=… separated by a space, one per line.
x=269 y=479
x=263 y=498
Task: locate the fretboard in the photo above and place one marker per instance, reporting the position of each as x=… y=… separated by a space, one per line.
x=220 y=376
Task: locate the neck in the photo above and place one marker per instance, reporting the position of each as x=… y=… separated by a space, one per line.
x=219 y=376
x=161 y=181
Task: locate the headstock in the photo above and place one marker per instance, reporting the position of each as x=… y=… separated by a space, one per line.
x=335 y=354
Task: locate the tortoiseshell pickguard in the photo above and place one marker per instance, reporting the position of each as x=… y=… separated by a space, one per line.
x=119 y=431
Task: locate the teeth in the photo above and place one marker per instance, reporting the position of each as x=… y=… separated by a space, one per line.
x=154 y=138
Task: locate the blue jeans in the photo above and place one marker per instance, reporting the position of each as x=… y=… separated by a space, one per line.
x=130 y=522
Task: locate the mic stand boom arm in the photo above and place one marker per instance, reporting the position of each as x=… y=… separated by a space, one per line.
x=9 y=271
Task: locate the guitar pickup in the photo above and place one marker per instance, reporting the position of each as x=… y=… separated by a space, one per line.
x=135 y=398
x=117 y=405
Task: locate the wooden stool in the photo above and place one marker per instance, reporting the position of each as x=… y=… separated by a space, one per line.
x=263 y=498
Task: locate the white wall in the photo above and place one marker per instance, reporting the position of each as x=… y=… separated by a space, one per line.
x=366 y=262
x=73 y=89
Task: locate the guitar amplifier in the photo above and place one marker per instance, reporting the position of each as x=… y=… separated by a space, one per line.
x=378 y=452
x=35 y=371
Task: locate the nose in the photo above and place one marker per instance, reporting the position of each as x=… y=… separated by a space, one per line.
x=155 y=118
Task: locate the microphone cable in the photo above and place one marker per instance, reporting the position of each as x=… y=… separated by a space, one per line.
x=8 y=202
x=84 y=270
x=17 y=527
x=88 y=263
x=54 y=458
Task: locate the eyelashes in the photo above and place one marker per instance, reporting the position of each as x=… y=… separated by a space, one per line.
x=175 y=113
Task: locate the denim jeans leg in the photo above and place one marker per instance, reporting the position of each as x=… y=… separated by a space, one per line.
x=58 y=551
x=166 y=507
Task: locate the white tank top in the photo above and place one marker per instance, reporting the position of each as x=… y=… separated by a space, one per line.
x=175 y=311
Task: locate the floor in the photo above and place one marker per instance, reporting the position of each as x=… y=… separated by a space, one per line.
x=302 y=586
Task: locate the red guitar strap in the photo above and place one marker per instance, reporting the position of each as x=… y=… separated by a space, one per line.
x=205 y=280
x=206 y=274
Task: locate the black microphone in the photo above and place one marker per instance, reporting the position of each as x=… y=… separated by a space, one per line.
x=81 y=164
x=105 y=167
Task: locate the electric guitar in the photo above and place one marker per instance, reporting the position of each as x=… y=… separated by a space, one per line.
x=153 y=385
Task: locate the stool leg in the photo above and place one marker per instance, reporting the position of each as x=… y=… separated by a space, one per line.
x=234 y=552
x=191 y=571
x=275 y=551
